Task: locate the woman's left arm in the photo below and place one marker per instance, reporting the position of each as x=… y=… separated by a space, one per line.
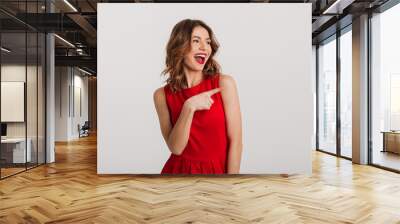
x=233 y=118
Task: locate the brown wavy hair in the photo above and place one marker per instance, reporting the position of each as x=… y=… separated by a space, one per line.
x=178 y=45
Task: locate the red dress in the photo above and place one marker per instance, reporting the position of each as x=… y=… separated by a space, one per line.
x=206 y=150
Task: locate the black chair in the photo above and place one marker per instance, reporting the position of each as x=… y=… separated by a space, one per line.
x=84 y=130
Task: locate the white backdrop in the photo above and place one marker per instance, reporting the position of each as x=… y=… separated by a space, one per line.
x=12 y=101
x=265 y=47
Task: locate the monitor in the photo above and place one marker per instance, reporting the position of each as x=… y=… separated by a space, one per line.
x=3 y=129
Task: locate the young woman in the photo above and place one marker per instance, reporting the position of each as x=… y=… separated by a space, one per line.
x=198 y=108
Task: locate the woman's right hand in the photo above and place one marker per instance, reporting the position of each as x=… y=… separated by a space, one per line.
x=202 y=101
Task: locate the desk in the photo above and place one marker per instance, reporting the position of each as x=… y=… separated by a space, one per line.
x=15 y=148
x=391 y=141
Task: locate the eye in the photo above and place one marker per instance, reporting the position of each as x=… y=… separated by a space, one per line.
x=196 y=40
x=209 y=42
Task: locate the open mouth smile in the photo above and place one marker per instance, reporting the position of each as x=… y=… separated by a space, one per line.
x=200 y=58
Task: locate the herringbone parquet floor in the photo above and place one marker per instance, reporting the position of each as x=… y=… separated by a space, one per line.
x=70 y=191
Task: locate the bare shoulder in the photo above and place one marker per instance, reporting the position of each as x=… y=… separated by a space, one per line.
x=159 y=94
x=227 y=81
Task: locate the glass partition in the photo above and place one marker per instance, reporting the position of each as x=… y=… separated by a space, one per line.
x=346 y=93
x=41 y=107
x=22 y=67
x=327 y=96
x=14 y=153
x=32 y=95
x=385 y=89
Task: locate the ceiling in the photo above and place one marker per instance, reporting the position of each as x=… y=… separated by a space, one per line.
x=76 y=22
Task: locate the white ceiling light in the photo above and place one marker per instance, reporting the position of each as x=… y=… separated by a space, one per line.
x=86 y=72
x=337 y=7
x=70 y=5
x=65 y=41
x=5 y=49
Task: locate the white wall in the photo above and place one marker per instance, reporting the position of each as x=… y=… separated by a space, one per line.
x=18 y=73
x=313 y=84
x=68 y=81
x=33 y=127
x=80 y=84
x=265 y=50
x=61 y=103
x=12 y=101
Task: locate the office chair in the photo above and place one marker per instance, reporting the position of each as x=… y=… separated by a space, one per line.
x=84 y=130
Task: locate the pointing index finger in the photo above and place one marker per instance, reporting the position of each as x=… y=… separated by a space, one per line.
x=214 y=91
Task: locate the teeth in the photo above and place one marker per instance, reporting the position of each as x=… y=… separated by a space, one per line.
x=200 y=55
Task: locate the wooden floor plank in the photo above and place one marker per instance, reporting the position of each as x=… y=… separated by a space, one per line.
x=70 y=191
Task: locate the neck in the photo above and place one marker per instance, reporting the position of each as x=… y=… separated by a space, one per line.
x=193 y=77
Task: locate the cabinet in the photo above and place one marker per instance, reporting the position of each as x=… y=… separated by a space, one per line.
x=391 y=141
x=13 y=150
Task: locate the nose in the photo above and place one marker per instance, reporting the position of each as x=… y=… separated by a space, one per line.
x=202 y=45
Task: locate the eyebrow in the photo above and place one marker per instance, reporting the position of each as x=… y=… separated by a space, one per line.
x=200 y=37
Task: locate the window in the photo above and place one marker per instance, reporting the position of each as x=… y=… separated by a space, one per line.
x=385 y=88
x=346 y=93
x=22 y=66
x=327 y=96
